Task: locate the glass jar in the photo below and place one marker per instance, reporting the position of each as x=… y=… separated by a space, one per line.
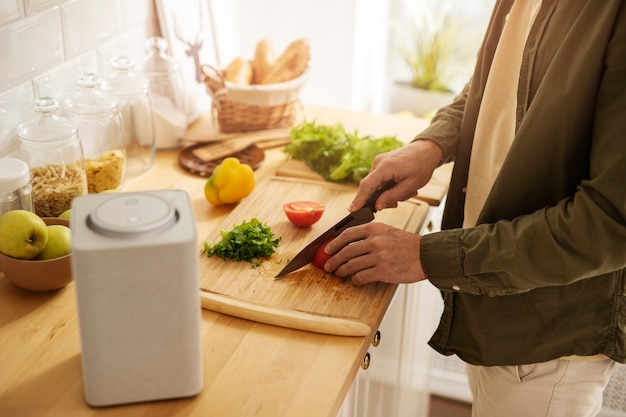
x=166 y=92
x=15 y=188
x=100 y=131
x=52 y=149
x=131 y=93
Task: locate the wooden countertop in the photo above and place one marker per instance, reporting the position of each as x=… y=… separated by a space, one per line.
x=250 y=369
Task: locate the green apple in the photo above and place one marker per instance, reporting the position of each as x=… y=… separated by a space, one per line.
x=59 y=242
x=23 y=234
x=66 y=214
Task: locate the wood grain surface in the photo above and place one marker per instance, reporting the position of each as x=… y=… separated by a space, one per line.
x=250 y=368
x=308 y=290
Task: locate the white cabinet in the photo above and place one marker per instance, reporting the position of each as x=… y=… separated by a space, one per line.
x=397 y=380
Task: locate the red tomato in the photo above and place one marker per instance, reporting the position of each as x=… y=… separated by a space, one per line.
x=320 y=257
x=303 y=213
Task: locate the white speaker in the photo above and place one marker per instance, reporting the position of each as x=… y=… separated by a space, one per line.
x=135 y=266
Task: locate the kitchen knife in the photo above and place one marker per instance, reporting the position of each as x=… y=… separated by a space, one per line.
x=363 y=215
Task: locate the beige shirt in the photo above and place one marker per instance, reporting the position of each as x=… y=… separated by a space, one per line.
x=495 y=127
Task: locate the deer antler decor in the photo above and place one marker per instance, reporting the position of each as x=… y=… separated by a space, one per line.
x=193 y=46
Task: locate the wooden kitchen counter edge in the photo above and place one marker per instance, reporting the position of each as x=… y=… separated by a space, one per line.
x=250 y=369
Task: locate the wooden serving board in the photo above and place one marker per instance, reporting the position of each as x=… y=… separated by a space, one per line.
x=308 y=299
x=206 y=129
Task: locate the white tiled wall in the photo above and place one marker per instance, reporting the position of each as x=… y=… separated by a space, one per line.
x=46 y=44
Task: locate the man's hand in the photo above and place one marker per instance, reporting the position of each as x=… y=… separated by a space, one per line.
x=410 y=167
x=376 y=252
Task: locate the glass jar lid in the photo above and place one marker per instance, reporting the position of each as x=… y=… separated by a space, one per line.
x=89 y=100
x=157 y=61
x=124 y=81
x=47 y=126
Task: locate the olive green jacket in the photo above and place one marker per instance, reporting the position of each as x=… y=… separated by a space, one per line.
x=543 y=274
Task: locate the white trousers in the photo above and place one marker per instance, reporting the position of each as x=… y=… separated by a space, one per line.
x=557 y=388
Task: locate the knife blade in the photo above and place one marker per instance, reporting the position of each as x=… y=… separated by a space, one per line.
x=363 y=215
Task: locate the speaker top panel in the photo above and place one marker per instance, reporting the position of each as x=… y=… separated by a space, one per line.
x=132 y=214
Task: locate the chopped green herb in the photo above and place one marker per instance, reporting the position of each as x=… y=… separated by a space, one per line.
x=248 y=242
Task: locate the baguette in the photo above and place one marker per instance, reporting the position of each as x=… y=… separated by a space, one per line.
x=290 y=64
x=239 y=71
x=264 y=59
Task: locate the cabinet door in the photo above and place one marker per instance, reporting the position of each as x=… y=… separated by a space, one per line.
x=397 y=379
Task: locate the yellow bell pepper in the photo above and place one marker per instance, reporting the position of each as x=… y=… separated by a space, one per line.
x=230 y=182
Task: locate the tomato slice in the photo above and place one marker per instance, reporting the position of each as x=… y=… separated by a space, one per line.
x=320 y=257
x=303 y=213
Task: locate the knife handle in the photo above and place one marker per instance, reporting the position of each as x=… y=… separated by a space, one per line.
x=371 y=200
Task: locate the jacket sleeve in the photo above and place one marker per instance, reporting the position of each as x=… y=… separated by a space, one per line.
x=579 y=236
x=445 y=126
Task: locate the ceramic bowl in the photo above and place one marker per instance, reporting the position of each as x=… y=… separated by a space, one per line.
x=43 y=275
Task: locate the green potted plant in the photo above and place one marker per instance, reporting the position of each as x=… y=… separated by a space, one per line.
x=425 y=40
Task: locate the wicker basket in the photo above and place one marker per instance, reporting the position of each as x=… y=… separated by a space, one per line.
x=246 y=108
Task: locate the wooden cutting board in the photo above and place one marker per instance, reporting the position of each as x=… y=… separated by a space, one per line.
x=307 y=299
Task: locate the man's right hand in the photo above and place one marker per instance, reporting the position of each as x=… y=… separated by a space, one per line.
x=409 y=167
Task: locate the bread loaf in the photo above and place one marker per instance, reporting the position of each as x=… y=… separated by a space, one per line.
x=264 y=59
x=290 y=64
x=239 y=71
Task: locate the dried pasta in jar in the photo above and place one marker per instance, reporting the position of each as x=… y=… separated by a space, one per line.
x=55 y=186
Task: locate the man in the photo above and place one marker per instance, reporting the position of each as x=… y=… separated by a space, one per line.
x=532 y=256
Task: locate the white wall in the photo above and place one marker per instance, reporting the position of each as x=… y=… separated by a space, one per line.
x=46 y=44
